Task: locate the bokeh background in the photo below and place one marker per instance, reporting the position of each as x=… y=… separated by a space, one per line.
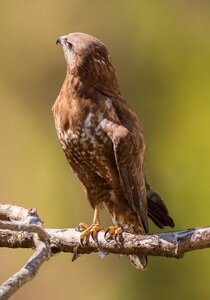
x=161 y=50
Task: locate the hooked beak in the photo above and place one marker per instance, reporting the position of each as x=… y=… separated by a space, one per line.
x=59 y=40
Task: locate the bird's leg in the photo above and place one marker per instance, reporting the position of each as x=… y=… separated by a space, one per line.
x=93 y=229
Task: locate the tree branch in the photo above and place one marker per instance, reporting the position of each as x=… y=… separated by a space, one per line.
x=14 y=283
x=22 y=228
x=170 y=244
x=17 y=220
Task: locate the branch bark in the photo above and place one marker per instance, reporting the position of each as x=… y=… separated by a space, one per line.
x=22 y=228
x=170 y=244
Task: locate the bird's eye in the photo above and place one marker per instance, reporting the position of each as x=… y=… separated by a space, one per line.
x=70 y=46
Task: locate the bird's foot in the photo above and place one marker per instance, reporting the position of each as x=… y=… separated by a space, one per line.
x=92 y=231
x=114 y=232
x=81 y=227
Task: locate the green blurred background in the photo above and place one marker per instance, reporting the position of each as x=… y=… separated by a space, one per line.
x=161 y=50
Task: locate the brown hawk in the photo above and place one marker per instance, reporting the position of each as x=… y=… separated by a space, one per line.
x=104 y=142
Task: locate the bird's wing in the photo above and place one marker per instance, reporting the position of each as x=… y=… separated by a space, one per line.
x=130 y=161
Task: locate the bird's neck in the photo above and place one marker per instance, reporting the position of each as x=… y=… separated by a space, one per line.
x=77 y=89
x=86 y=88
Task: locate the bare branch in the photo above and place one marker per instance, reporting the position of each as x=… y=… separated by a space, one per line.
x=26 y=231
x=12 y=239
x=19 y=219
x=24 y=275
x=170 y=244
x=17 y=213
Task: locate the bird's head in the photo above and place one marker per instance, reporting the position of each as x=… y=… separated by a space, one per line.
x=88 y=59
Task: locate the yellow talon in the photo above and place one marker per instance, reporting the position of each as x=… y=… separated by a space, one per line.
x=82 y=227
x=93 y=229
x=114 y=232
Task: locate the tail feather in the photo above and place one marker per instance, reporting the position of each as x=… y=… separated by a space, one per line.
x=157 y=210
x=158 y=213
x=138 y=261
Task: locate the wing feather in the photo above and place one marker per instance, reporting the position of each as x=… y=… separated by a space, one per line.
x=130 y=164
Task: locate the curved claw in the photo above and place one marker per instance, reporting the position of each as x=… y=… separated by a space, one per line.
x=105 y=235
x=91 y=231
x=114 y=232
x=94 y=235
x=84 y=240
x=119 y=238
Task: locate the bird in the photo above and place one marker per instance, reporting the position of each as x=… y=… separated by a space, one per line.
x=104 y=144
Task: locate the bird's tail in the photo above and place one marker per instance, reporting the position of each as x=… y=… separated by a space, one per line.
x=157 y=210
x=138 y=261
x=158 y=213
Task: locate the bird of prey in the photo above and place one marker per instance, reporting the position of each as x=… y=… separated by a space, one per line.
x=104 y=143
